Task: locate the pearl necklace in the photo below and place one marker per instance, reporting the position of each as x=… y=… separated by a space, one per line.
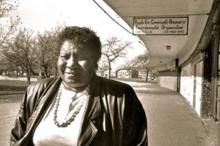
x=69 y=120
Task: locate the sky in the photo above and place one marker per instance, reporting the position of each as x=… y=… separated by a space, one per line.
x=41 y=15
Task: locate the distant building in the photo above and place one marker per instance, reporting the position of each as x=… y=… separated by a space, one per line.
x=124 y=74
x=127 y=73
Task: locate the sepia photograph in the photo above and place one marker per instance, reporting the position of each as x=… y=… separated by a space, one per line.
x=109 y=73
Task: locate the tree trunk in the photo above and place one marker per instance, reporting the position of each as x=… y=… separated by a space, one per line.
x=28 y=79
x=55 y=70
x=109 y=70
x=116 y=74
x=147 y=73
x=17 y=70
x=28 y=75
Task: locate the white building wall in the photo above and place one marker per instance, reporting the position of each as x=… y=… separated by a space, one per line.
x=191 y=85
x=186 y=88
x=198 y=82
x=169 y=82
x=198 y=95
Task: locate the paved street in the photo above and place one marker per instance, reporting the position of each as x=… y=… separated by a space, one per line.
x=171 y=120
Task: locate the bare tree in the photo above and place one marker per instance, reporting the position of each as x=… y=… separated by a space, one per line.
x=6 y=66
x=48 y=51
x=8 y=21
x=21 y=52
x=113 y=48
x=8 y=24
x=103 y=66
x=139 y=63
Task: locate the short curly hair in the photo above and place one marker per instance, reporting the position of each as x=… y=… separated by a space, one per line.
x=82 y=37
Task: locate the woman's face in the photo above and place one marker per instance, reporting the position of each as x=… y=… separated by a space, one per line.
x=76 y=66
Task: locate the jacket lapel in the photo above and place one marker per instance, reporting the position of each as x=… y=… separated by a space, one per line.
x=43 y=103
x=89 y=129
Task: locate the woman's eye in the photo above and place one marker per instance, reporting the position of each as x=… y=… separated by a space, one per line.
x=64 y=56
x=82 y=57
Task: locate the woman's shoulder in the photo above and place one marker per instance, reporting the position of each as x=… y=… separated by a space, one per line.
x=120 y=90
x=43 y=82
x=115 y=85
x=36 y=89
x=40 y=85
x=114 y=82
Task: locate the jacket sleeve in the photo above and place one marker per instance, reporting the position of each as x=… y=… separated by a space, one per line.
x=19 y=128
x=27 y=106
x=135 y=121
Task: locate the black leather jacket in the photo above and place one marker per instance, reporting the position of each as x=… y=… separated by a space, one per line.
x=115 y=116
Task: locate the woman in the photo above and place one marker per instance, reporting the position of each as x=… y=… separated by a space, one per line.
x=78 y=108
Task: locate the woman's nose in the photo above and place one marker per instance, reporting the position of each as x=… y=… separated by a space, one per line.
x=72 y=62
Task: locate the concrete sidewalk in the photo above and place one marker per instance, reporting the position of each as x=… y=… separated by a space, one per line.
x=171 y=121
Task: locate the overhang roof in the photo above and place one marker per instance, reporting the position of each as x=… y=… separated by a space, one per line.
x=164 y=49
